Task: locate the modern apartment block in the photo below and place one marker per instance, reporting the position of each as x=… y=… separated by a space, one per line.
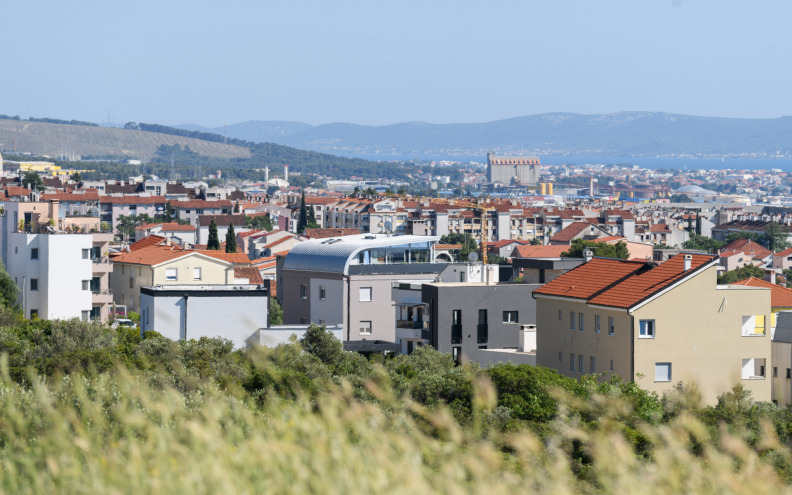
x=657 y=325
x=60 y=273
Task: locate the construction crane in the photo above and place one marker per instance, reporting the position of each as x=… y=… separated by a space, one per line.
x=483 y=210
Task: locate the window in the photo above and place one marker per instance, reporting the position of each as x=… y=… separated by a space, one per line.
x=560 y=315
x=34 y=253
x=86 y=285
x=85 y=315
x=456 y=326
x=559 y=357
x=197 y=273
x=753 y=326
x=33 y=284
x=571 y=320
x=482 y=329
x=596 y=324
x=365 y=294
x=571 y=362
x=611 y=326
x=455 y=352
x=580 y=321
x=86 y=254
x=592 y=364
x=580 y=363
x=789 y=372
x=611 y=364
x=753 y=369
x=775 y=371
x=646 y=329
x=33 y=313
x=303 y=291
x=171 y=273
x=510 y=317
x=131 y=282
x=322 y=292
x=365 y=328
x=662 y=372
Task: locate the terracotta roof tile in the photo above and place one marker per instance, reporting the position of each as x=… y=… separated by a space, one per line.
x=151 y=255
x=539 y=251
x=199 y=203
x=330 y=232
x=229 y=257
x=250 y=273
x=222 y=220
x=621 y=283
x=133 y=200
x=748 y=247
x=780 y=297
x=570 y=231
x=151 y=240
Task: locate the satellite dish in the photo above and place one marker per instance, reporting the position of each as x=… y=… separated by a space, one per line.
x=473 y=256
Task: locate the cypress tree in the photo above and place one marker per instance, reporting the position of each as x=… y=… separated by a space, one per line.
x=302 y=222
x=214 y=240
x=231 y=244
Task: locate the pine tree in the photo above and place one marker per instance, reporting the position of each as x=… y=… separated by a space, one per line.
x=231 y=244
x=214 y=240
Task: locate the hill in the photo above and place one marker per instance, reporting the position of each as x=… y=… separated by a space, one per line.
x=49 y=139
x=619 y=134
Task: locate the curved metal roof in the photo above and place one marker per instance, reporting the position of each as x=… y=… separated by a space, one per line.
x=334 y=255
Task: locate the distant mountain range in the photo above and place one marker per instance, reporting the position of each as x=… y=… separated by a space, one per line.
x=620 y=134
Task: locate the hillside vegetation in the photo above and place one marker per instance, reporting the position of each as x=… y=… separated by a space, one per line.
x=49 y=139
x=87 y=409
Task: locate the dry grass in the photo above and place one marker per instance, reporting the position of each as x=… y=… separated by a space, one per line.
x=47 y=139
x=117 y=434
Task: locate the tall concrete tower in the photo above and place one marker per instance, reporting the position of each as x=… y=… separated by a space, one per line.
x=286 y=173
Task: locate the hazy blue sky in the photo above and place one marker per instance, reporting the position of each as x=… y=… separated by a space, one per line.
x=380 y=62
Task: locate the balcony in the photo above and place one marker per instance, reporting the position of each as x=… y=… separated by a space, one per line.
x=482 y=333
x=415 y=325
x=456 y=334
x=102 y=296
x=101 y=265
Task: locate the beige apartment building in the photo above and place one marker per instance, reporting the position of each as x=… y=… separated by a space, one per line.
x=657 y=325
x=170 y=265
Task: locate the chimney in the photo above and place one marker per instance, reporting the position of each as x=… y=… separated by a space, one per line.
x=588 y=254
x=770 y=276
x=688 y=261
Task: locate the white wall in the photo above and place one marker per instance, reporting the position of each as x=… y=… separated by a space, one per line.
x=281 y=334
x=235 y=318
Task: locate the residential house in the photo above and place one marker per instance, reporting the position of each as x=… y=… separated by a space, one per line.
x=657 y=325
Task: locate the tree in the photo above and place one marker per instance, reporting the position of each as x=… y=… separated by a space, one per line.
x=312 y=224
x=275 y=312
x=302 y=221
x=261 y=222
x=741 y=274
x=702 y=242
x=214 y=240
x=9 y=292
x=680 y=198
x=536 y=241
x=467 y=241
x=775 y=237
x=231 y=243
x=321 y=343
x=32 y=180
x=576 y=250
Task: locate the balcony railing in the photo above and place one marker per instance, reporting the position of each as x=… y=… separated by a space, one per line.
x=108 y=292
x=482 y=331
x=415 y=325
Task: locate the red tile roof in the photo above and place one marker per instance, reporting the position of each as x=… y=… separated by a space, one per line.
x=229 y=257
x=199 y=203
x=167 y=227
x=540 y=251
x=151 y=255
x=748 y=247
x=329 y=232
x=133 y=200
x=780 y=297
x=250 y=273
x=570 y=231
x=17 y=191
x=88 y=195
x=621 y=283
x=785 y=252
x=151 y=240
x=659 y=227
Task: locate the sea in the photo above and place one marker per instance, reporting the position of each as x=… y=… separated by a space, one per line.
x=671 y=163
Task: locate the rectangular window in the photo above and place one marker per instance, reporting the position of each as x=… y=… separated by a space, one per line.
x=775 y=371
x=592 y=364
x=365 y=328
x=171 y=273
x=365 y=294
x=646 y=329
x=303 y=291
x=34 y=253
x=482 y=329
x=455 y=352
x=560 y=358
x=571 y=320
x=456 y=326
x=322 y=293
x=131 y=282
x=510 y=317
x=662 y=372
x=86 y=285
x=789 y=373
x=33 y=284
x=33 y=313
x=611 y=364
x=571 y=362
x=596 y=324
x=753 y=326
x=580 y=363
x=753 y=369
x=197 y=273
x=611 y=326
x=85 y=315
x=86 y=254
x=560 y=315
x=580 y=321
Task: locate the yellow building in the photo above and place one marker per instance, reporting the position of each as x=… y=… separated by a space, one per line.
x=152 y=262
x=656 y=325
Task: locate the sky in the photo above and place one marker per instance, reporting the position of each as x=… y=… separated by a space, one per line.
x=382 y=62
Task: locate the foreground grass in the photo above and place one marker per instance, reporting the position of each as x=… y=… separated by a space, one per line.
x=115 y=433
